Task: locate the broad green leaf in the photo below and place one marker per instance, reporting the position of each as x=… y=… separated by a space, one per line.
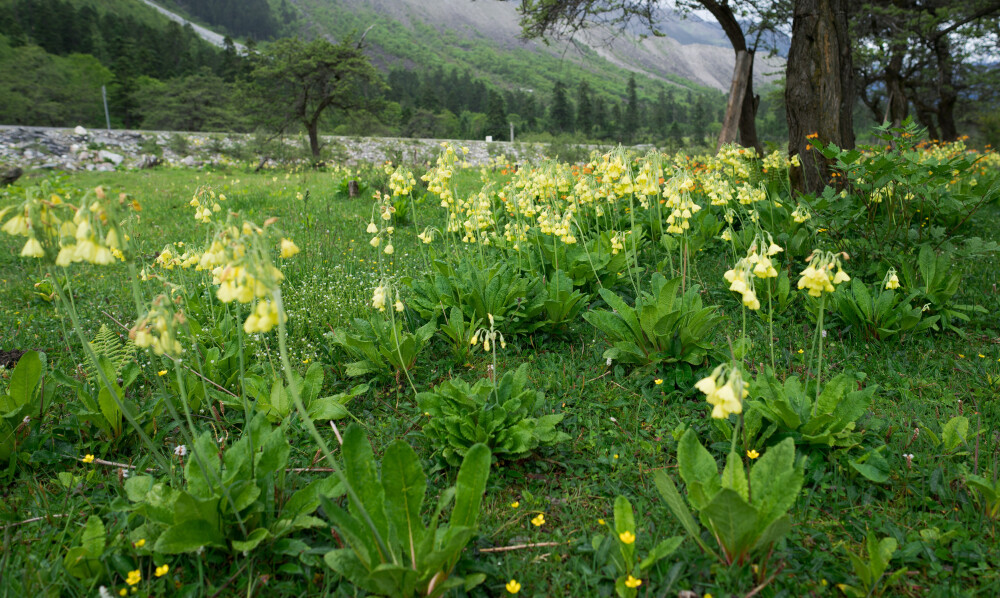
x=202 y=468
x=307 y=500
x=873 y=466
x=362 y=475
x=188 y=537
x=93 y=536
x=347 y=564
x=672 y=497
x=698 y=469
x=732 y=521
x=776 y=480
x=470 y=486
x=253 y=540
x=405 y=486
x=734 y=477
x=25 y=378
x=954 y=432
x=661 y=551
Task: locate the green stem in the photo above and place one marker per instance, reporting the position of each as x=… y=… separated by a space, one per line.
x=819 y=333
x=293 y=388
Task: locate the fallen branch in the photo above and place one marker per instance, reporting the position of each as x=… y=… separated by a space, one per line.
x=34 y=519
x=520 y=546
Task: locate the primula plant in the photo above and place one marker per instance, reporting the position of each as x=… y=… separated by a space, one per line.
x=882 y=313
x=390 y=551
x=514 y=299
x=662 y=328
x=20 y=401
x=793 y=410
x=231 y=501
x=503 y=415
x=382 y=346
x=746 y=515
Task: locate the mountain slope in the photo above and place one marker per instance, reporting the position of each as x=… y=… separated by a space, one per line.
x=483 y=35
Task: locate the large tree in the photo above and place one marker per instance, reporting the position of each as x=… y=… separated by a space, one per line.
x=749 y=25
x=295 y=82
x=922 y=54
x=819 y=87
x=820 y=42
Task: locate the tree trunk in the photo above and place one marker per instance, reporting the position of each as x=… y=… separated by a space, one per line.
x=819 y=89
x=747 y=108
x=734 y=107
x=748 y=118
x=947 y=93
x=894 y=87
x=312 y=127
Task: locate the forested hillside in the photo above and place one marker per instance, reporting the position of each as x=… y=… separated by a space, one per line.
x=56 y=54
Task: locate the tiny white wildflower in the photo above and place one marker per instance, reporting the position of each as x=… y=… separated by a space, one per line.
x=181 y=450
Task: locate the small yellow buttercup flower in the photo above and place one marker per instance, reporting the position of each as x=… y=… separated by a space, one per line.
x=134 y=577
x=88 y=458
x=140 y=542
x=658 y=381
x=161 y=373
x=631 y=582
x=752 y=454
x=513 y=587
x=539 y=520
x=600 y=522
x=627 y=537
x=162 y=570
x=515 y=504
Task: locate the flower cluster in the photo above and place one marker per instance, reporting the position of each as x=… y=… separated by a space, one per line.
x=203 y=211
x=88 y=232
x=758 y=263
x=158 y=328
x=383 y=295
x=818 y=277
x=725 y=390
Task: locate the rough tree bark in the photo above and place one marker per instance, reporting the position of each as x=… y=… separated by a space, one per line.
x=819 y=91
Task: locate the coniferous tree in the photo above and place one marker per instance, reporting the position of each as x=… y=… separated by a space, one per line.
x=630 y=124
x=584 y=109
x=496 y=117
x=561 y=113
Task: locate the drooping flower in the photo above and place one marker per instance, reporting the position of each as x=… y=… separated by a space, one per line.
x=723 y=390
x=891 y=280
x=288 y=248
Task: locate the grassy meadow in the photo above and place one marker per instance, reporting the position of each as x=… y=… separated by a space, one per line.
x=803 y=402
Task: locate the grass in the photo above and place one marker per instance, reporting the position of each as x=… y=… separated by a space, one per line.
x=623 y=426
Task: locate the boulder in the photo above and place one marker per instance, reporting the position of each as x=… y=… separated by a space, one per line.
x=112 y=157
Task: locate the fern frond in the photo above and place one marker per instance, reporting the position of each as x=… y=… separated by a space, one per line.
x=109 y=345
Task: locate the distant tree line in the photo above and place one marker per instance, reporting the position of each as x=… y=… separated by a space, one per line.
x=55 y=55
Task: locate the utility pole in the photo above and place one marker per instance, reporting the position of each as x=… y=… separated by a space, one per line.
x=512 y=132
x=107 y=115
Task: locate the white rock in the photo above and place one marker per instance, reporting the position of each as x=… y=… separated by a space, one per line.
x=113 y=157
x=80 y=130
